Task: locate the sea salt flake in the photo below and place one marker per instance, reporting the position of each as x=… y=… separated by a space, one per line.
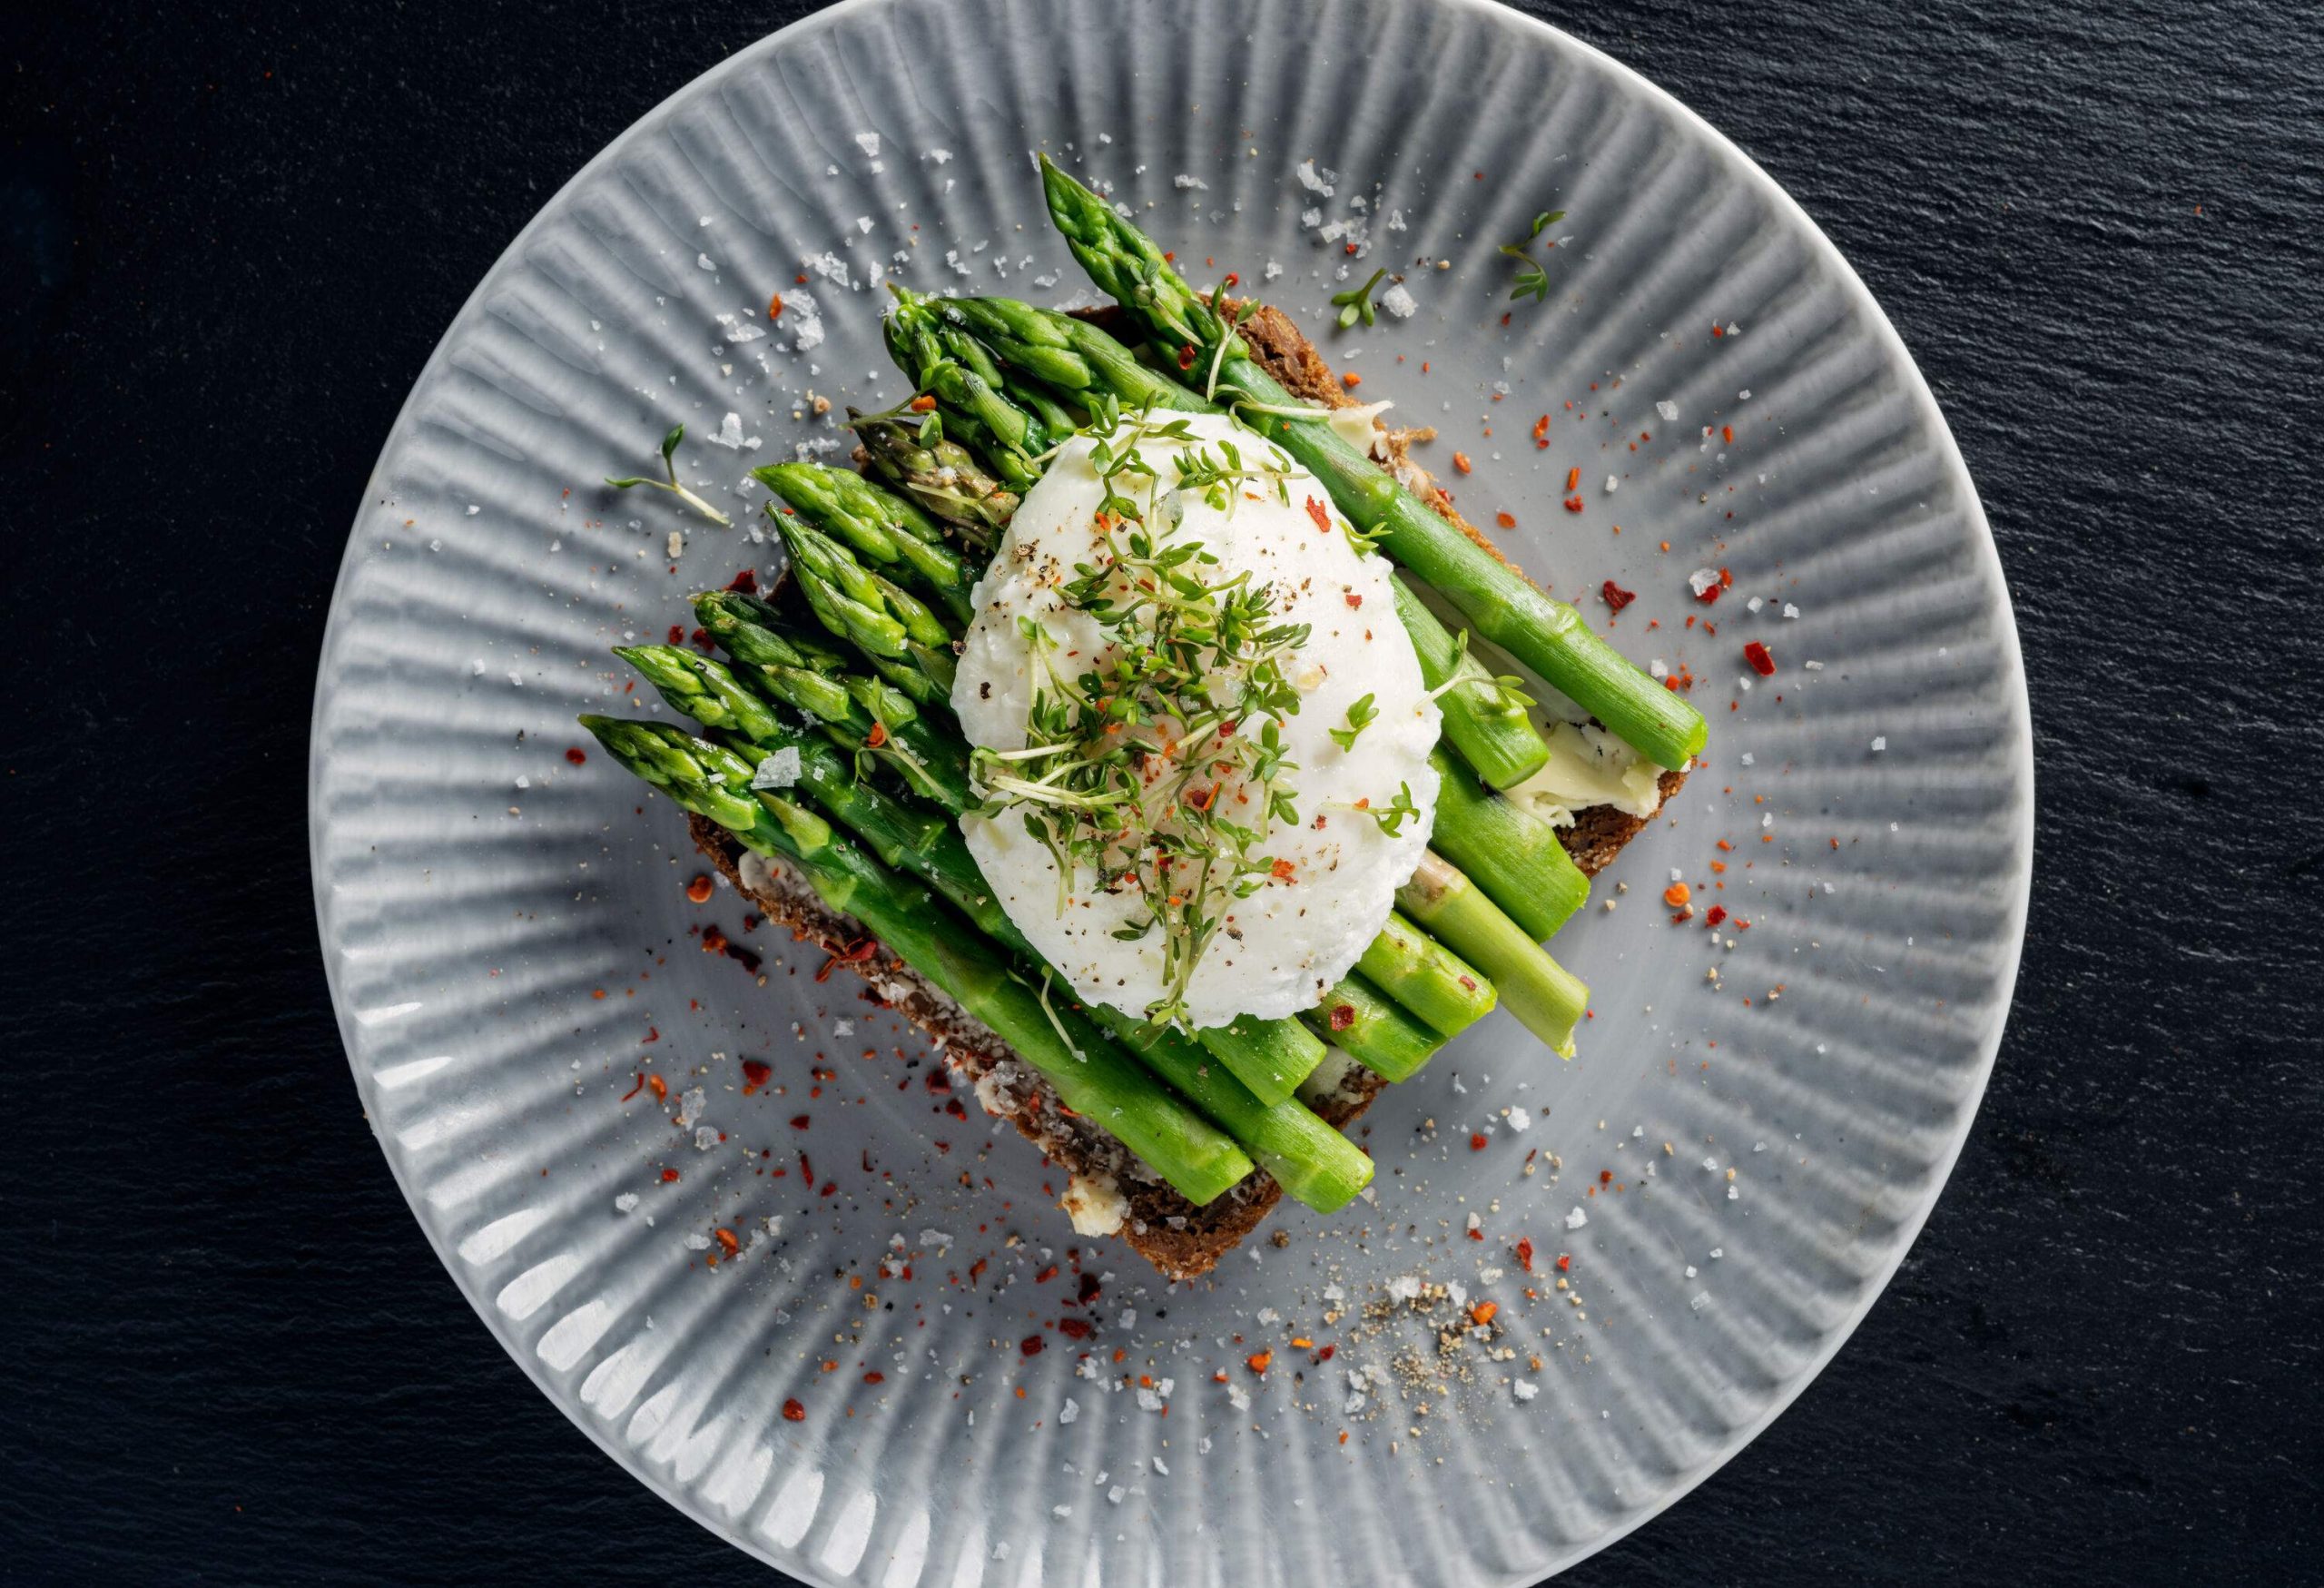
x=1070 y=1410
x=706 y=1137
x=730 y=434
x=1182 y=180
x=1397 y=302
x=1524 y=1390
x=1576 y=1220
x=706 y=261
x=1880 y=742
x=1312 y=179
x=780 y=769
x=1702 y=580
x=867 y=142
x=626 y=1202
x=1667 y=409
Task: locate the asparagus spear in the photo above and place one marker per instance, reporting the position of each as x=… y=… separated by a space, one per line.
x=940 y=474
x=1366 y=1024
x=969 y=409
x=1094 y=1078
x=886 y=531
x=1510 y=853
x=1547 y=636
x=1426 y=978
x=1542 y=994
x=1484 y=718
x=906 y=642
x=862 y=715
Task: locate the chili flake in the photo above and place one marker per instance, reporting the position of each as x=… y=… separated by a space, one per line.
x=793 y=1411
x=1322 y=519
x=1761 y=662
x=699 y=889
x=1616 y=596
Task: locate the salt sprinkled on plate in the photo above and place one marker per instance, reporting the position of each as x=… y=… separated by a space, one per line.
x=1576 y=1220
x=867 y=142
x=1667 y=409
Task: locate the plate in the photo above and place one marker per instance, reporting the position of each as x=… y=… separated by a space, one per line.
x=880 y=1392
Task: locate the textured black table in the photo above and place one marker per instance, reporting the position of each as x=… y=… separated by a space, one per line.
x=232 y=234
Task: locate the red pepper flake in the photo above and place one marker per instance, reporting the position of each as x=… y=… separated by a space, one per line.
x=1572 y=504
x=746 y=582
x=923 y=403
x=1280 y=871
x=576 y=754
x=1353 y=599
x=1322 y=519
x=1232 y=279
x=727 y=1243
x=793 y=1411
x=1187 y=356
x=1461 y=461
x=633 y=1091
x=1506 y=520
x=1761 y=662
x=1258 y=1362
x=1573 y=476
x=1046 y=1274
x=774 y=306
x=877 y=737
x=1616 y=596
x=1477 y=1142
x=1326 y=1352
x=1565 y=1262
x=1342 y=1016
x=1727 y=434
x=756 y=1073
x=1088 y=1290
x=699 y=889
x=668 y=1176
x=875 y=1377
x=1073 y=1328
x=1677 y=894
x=1482 y=1313
x=1525 y=1254
x=1351 y=380
x=1715 y=914
x=658 y=1087
x=849 y=956
x=1541 y=432
x=799 y=1122
x=1032 y=1345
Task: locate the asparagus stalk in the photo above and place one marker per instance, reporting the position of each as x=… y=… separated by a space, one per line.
x=906 y=642
x=1544 y=996
x=1511 y=854
x=1426 y=978
x=1094 y=1077
x=1366 y=1025
x=1484 y=718
x=1547 y=636
x=885 y=531
x=938 y=473
x=968 y=407
x=862 y=715
x=1315 y=1164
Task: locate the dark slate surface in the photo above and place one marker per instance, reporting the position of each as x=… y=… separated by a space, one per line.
x=233 y=233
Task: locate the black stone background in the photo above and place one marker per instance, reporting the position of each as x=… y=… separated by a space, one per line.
x=234 y=232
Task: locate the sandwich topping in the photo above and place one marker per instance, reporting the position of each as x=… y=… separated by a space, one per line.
x=1201 y=735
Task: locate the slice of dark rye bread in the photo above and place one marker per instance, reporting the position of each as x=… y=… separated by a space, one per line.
x=1179 y=1238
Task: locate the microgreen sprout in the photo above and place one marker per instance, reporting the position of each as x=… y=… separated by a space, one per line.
x=1532 y=282
x=1357 y=302
x=1360 y=717
x=669 y=452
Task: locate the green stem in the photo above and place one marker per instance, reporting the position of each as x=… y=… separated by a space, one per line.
x=1544 y=996
x=1426 y=978
x=1366 y=1024
x=1511 y=854
x=1485 y=719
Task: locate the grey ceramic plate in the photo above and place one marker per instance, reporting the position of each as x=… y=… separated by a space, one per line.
x=1762 y=1114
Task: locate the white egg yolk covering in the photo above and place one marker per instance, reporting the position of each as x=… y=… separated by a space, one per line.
x=1201 y=733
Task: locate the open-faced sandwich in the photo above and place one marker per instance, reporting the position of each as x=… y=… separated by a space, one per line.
x=1122 y=726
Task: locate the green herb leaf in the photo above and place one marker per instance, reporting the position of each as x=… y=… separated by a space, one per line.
x=1360 y=717
x=1357 y=300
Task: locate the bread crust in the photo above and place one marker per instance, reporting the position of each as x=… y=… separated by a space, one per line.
x=1183 y=1241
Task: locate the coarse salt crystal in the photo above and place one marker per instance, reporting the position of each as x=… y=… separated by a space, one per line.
x=1790 y=610
x=1612 y=484
x=780 y=769
x=1753 y=605
x=1702 y=580
x=867 y=142
x=1520 y=1118
x=626 y=1202
x=1182 y=182
x=1398 y=302
x=1880 y=742
x=1070 y=1410
x=1576 y=1220
x=1657 y=668
x=1312 y=179
x=1525 y=1389
x=706 y=1137
x=1667 y=409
